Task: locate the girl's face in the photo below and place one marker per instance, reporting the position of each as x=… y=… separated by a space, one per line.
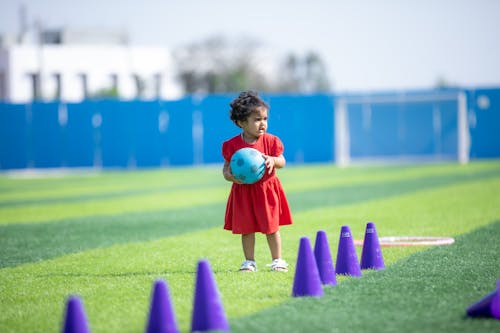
x=255 y=125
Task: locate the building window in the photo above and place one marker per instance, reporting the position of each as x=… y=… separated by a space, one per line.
x=85 y=85
x=140 y=86
x=35 y=86
x=158 y=83
x=3 y=87
x=114 y=82
x=58 y=90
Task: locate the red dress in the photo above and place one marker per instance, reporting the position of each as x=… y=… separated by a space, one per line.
x=262 y=206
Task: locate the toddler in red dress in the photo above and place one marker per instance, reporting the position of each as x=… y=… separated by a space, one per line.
x=262 y=206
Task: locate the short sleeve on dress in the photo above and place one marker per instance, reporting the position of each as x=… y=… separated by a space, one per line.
x=226 y=151
x=278 y=147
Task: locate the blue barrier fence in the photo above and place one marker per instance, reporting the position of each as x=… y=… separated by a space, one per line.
x=191 y=130
x=484 y=115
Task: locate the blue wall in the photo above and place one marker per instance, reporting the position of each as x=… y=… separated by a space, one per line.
x=191 y=130
x=484 y=119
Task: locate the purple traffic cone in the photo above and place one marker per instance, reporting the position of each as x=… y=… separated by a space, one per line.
x=488 y=306
x=371 y=256
x=307 y=281
x=324 y=259
x=347 y=259
x=75 y=320
x=161 y=312
x=208 y=312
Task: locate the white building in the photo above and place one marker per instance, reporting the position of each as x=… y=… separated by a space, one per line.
x=71 y=66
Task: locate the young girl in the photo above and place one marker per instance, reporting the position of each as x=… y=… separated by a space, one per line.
x=262 y=206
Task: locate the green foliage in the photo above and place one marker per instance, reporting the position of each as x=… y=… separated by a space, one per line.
x=105 y=93
x=303 y=74
x=218 y=64
x=107 y=237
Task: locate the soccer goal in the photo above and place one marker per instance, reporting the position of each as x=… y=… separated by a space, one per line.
x=406 y=127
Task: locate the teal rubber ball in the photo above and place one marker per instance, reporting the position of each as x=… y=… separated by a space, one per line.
x=248 y=165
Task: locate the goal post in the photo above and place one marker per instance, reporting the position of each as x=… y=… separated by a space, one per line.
x=416 y=127
x=463 y=137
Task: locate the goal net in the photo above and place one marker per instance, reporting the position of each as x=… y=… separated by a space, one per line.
x=403 y=127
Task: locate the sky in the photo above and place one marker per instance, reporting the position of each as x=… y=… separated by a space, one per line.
x=367 y=45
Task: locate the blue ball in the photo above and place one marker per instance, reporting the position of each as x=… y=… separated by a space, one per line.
x=248 y=165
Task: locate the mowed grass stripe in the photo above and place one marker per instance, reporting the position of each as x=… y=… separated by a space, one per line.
x=33 y=242
x=98 y=207
x=41 y=182
x=115 y=282
x=442 y=212
x=82 y=187
x=302 y=178
x=354 y=193
x=42 y=185
x=143 y=188
x=25 y=243
x=70 y=196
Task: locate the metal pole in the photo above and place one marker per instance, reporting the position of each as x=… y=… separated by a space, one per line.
x=342 y=142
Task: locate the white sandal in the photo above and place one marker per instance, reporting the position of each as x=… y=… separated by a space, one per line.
x=279 y=265
x=248 y=266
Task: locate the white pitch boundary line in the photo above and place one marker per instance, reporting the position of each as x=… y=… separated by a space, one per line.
x=411 y=241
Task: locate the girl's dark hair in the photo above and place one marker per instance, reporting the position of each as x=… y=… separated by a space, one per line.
x=246 y=103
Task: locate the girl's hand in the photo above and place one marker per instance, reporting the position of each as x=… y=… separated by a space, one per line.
x=274 y=162
x=233 y=179
x=270 y=163
x=228 y=175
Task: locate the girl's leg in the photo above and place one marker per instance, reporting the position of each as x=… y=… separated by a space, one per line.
x=274 y=242
x=248 y=242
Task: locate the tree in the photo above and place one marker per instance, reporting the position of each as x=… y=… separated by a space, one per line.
x=303 y=74
x=316 y=78
x=443 y=83
x=219 y=65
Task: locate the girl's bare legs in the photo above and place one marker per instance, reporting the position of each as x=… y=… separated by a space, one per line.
x=248 y=242
x=274 y=242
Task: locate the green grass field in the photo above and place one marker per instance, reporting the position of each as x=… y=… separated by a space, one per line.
x=107 y=236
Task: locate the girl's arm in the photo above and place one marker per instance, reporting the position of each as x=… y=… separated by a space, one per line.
x=273 y=162
x=228 y=175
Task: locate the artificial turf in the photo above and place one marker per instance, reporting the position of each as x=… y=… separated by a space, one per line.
x=425 y=292
x=107 y=237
